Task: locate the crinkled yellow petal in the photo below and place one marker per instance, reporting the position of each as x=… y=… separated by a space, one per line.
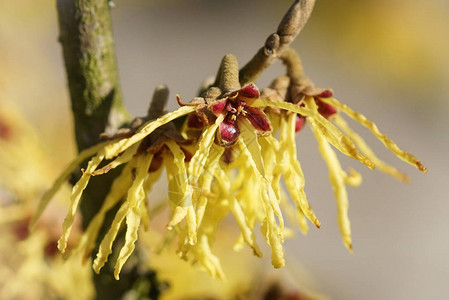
x=187 y=190
x=270 y=229
x=82 y=156
x=337 y=180
x=249 y=146
x=216 y=210
x=334 y=136
x=249 y=137
x=284 y=105
x=118 y=190
x=250 y=186
x=183 y=241
x=206 y=181
x=198 y=160
x=106 y=244
x=354 y=178
x=136 y=195
x=405 y=156
x=207 y=259
x=273 y=235
x=366 y=150
x=132 y=227
x=77 y=191
x=294 y=215
x=147 y=187
x=294 y=177
x=178 y=215
x=234 y=207
x=121 y=145
x=128 y=210
x=123 y=158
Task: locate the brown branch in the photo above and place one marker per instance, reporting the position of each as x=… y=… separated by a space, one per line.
x=290 y=26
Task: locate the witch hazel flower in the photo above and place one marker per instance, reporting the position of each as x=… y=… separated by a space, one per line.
x=235 y=107
x=295 y=100
x=227 y=159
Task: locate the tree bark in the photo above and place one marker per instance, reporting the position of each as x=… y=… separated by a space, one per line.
x=97 y=105
x=89 y=56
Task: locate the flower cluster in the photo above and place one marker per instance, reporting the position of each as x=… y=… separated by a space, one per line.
x=229 y=157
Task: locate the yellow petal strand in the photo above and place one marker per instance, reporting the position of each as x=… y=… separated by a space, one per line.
x=250 y=147
x=216 y=210
x=284 y=105
x=295 y=215
x=247 y=232
x=106 y=244
x=118 y=190
x=249 y=138
x=186 y=188
x=206 y=181
x=354 y=178
x=334 y=136
x=207 y=259
x=273 y=235
x=119 y=146
x=337 y=180
x=198 y=160
x=77 y=191
x=235 y=208
x=136 y=195
x=82 y=156
x=270 y=229
x=175 y=193
x=147 y=187
x=132 y=227
x=294 y=177
x=365 y=149
x=405 y=156
x=123 y=158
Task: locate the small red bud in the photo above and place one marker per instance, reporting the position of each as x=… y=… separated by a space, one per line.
x=326 y=94
x=250 y=91
x=325 y=109
x=218 y=106
x=300 y=122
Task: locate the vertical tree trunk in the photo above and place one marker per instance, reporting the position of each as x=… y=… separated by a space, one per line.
x=89 y=55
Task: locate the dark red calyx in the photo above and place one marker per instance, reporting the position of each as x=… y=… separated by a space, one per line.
x=194 y=121
x=250 y=91
x=218 y=106
x=258 y=119
x=325 y=109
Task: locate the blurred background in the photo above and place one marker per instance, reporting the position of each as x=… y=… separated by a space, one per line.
x=386 y=59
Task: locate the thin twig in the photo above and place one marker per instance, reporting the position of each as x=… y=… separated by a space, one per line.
x=290 y=26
